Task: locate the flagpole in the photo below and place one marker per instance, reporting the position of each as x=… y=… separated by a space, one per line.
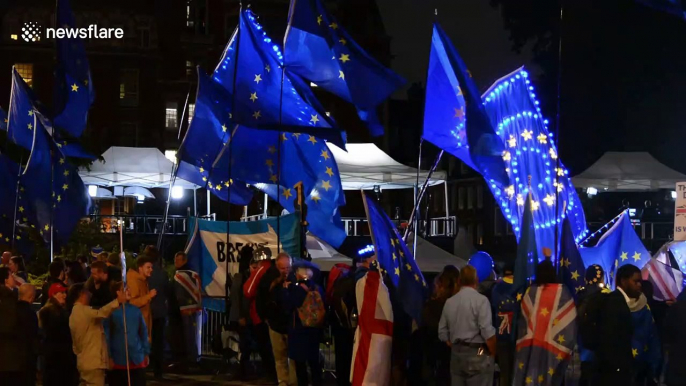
x=557 y=134
x=420 y=195
x=16 y=203
x=369 y=223
x=123 y=306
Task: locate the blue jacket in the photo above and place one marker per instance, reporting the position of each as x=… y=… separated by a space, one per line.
x=137 y=335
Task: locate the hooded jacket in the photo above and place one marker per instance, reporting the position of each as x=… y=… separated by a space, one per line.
x=136 y=336
x=140 y=296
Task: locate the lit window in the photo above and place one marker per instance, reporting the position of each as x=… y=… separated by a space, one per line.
x=128 y=87
x=14 y=37
x=189 y=68
x=171 y=112
x=191 y=112
x=170 y=155
x=26 y=72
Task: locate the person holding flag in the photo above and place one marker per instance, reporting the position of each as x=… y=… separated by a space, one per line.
x=595 y=286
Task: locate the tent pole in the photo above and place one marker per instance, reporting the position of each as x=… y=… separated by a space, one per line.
x=266 y=202
x=195 y=202
x=208 y=202
x=445 y=193
x=421 y=194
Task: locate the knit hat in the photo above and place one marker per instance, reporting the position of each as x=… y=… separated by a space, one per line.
x=56 y=288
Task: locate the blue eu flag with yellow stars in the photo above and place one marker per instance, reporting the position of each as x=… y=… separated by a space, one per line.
x=3 y=120
x=396 y=260
x=619 y=246
x=23 y=105
x=455 y=119
x=59 y=208
x=571 y=266
x=74 y=88
x=265 y=97
x=280 y=164
x=318 y=49
x=241 y=194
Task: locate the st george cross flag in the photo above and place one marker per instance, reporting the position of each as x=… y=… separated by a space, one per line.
x=546 y=335
x=371 y=363
x=667 y=281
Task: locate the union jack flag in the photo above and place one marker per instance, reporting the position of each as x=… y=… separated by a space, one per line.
x=546 y=335
x=667 y=281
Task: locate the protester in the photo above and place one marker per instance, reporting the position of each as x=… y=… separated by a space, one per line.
x=466 y=326
x=158 y=306
x=60 y=361
x=504 y=304
x=11 y=364
x=83 y=261
x=141 y=295
x=675 y=373
x=103 y=256
x=436 y=355
x=114 y=267
x=239 y=314
x=255 y=293
x=342 y=318
x=88 y=337
x=18 y=269
x=610 y=329
x=56 y=275
x=595 y=286
x=187 y=291
x=5 y=258
x=98 y=285
x=132 y=331
x=303 y=302
x=274 y=311
x=27 y=337
x=645 y=343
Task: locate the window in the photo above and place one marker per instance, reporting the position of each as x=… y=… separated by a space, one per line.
x=191 y=112
x=190 y=14
x=460 y=198
x=479 y=196
x=470 y=197
x=26 y=72
x=128 y=87
x=128 y=134
x=171 y=112
x=144 y=34
x=189 y=68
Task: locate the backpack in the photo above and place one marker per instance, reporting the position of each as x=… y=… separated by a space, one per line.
x=312 y=311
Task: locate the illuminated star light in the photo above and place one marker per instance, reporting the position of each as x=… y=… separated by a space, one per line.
x=520 y=200
x=258 y=78
x=542 y=138
x=535 y=205
x=560 y=172
x=527 y=134
x=553 y=155
x=459 y=113
x=314 y=119
x=74 y=87
x=510 y=190
x=549 y=199
x=512 y=142
x=224 y=128
x=507 y=156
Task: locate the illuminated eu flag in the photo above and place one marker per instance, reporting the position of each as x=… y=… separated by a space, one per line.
x=396 y=260
x=60 y=207
x=74 y=88
x=318 y=49
x=455 y=119
x=265 y=96
x=619 y=246
x=571 y=266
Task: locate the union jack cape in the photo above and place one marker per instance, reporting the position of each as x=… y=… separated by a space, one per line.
x=667 y=281
x=187 y=290
x=371 y=364
x=546 y=335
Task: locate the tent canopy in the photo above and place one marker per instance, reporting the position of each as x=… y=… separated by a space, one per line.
x=364 y=166
x=132 y=166
x=628 y=171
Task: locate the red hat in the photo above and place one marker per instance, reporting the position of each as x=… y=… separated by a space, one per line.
x=56 y=288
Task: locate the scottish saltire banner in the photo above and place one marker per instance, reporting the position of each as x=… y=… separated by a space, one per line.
x=209 y=254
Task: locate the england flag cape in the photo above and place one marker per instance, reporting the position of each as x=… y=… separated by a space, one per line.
x=371 y=364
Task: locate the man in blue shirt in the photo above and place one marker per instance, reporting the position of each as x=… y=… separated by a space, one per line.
x=467 y=327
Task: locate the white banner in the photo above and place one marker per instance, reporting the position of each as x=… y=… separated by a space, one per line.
x=680 y=212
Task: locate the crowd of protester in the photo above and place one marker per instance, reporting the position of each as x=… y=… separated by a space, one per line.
x=89 y=324
x=91 y=328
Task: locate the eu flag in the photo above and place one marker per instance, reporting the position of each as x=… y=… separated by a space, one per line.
x=9 y=174
x=3 y=120
x=619 y=246
x=265 y=97
x=240 y=193
x=74 y=88
x=527 y=252
x=304 y=162
x=455 y=119
x=395 y=259
x=61 y=206
x=675 y=7
x=318 y=49
x=23 y=105
x=572 y=270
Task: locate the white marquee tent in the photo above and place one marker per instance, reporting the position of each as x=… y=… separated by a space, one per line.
x=628 y=171
x=364 y=166
x=143 y=167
